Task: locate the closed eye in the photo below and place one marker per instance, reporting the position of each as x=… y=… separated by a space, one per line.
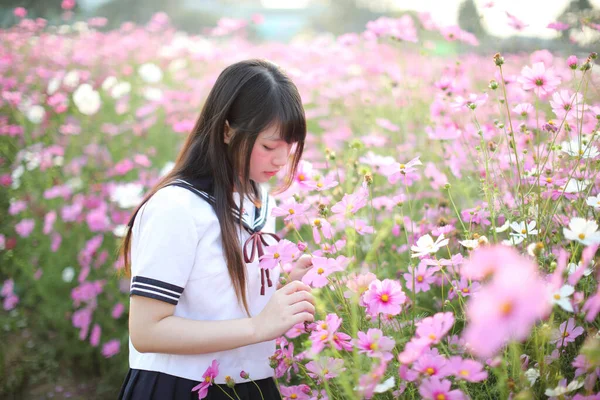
x=267 y=148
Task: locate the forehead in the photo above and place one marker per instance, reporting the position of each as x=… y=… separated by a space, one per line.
x=271 y=133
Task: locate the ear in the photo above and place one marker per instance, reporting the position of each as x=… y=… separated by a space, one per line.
x=228 y=132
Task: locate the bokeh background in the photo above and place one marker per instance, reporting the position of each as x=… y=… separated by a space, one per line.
x=97 y=96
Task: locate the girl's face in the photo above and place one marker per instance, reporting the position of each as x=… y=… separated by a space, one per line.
x=269 y=155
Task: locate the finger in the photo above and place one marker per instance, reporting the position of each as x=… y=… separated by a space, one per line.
x=296 y=286
x=303 y=317
x=301 y=296
x=303 y=306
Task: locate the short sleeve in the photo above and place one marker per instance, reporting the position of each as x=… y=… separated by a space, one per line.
x=164 y=251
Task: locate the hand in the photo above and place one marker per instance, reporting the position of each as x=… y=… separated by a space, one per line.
x=290 y=305
x=301 y=267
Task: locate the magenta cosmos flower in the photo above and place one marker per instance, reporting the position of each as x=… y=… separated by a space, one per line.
x=566 y=333
x=436 y=327
x=322 y=268
x=469 y=370
x=435 y=389
x=207 y=380
x=295 y=392
x=539 y=79
x=384 y=297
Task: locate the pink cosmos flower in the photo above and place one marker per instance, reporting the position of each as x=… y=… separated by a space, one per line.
x=117 y=310
x=111 y=348
x=431 y=363
x=321 y=226
x=299 y=392
x=422 y=277
x=10 y=302
x=558 y=26
x=95 y=335
x=469 y=370
x=368 y=382
x=322 y=268
x=592 y=306
x=572 y=62
x=290 y=210
x=321 y=183
x=508 y=307
x=567 y=105
x=358 y=284
x=375 y=344
x=396 y=170
x=435 y=389
x=524 y=109
x=326 y=334
x=25 y=227
x=539 y=79
x=20 y=12
x=351 y=203
x=207 y=380
x=566 y=333
x=436 y=327
x=384 y=297
x=304 y=173
x=325 y=368
x=414 y=349
x=402 y=28
x=362 y=228
x=515 y=22
x=278 y=254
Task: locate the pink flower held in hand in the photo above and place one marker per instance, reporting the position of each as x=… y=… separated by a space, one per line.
x=566 y=333
x=278 y=254
x=539 y=79
x=290 y=209
x=322 y=268
x=384 y=297
x=375 y=344
x=207 y=380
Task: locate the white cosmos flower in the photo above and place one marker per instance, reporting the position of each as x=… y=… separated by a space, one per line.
x=577 y=148
x=53 y=85
x=109 y=82
x=120 y=230
x=426 y=245
x=593 y=201
x=150 y=73
x=514 y=239
x=561 y=297
x=120 y=89
x=572 y=268
x=35 y=114
x=71 y=79
x=532 y=375
x=503 y=227
x=474 y=243
x=583 y=231
x=153 y=94
x=560 y=390
x=524 y=229
x=86 y=99
x=127 y=195
x=575 y=186
x=68 y=274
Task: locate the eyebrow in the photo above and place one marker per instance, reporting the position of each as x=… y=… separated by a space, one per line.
x=275 y=140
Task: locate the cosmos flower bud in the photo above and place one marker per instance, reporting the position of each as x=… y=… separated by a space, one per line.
x=498 y=59
x=572 y=62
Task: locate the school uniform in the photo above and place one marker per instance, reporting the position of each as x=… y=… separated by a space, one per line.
x=177 y=257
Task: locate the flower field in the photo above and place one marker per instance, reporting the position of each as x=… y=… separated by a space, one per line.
x=451 y=206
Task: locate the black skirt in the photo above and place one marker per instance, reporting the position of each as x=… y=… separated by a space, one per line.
x=151 y=385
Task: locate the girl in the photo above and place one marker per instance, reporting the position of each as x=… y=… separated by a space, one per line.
x=193 y=247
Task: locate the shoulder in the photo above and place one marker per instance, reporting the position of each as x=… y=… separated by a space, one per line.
x=174 y=203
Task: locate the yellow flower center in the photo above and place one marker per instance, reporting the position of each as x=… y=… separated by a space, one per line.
x=440 y=396
x=320 y=271
x=373 y=346
x=207 y=379
x=565 y=334
x=276 y=255
x=301 y=177
x=402 y=167
x=557 y=296
x=432 y=336
x=419 y=278
x=506 y=308
x=465 y=290
x=430 y=371
x=524 y=231
x=293 y=396
x=325 y=371
x=317 y=222
x=549 y=180
x=324 y=336
x=320 y=184
x=385 y=298
x=323 y=325
x=464 y=372
x=581 y=236
x=291 y=211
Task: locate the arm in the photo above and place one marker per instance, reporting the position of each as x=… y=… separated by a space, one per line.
x=154 y=329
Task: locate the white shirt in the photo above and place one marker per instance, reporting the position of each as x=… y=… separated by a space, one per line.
x=177 y=257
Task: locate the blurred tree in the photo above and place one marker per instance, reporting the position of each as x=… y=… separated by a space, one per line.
x=469 y=19
x=342 y=16
x=578 y=14
x=49 y=10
